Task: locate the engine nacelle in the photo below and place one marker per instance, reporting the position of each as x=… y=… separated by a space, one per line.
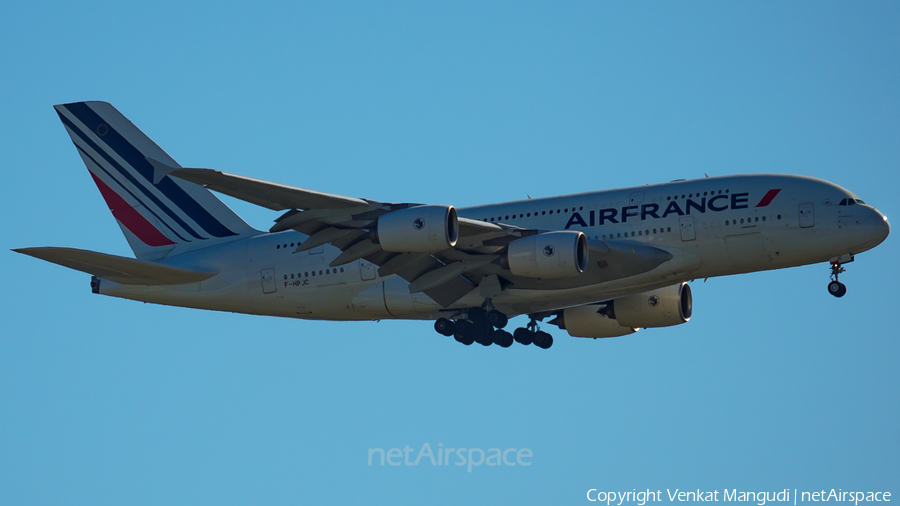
x=664 y=307
x=421 y=229
x=585 y=321
x=560 y=254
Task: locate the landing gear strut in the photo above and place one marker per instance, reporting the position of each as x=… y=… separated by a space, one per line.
x=835 y=287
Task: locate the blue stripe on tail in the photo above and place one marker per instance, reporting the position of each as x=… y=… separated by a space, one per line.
x=135 y=197
x=140 y=164
x=150 y=196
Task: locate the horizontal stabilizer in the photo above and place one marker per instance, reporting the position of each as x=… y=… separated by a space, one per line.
x=263 y=193
x=126 y=271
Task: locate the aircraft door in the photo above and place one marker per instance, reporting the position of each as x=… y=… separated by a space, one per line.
x=267 y=277
x=686 y=223
x=807 y=216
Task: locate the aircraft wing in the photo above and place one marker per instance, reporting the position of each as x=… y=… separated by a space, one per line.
x=126 y=271
x=445 y=276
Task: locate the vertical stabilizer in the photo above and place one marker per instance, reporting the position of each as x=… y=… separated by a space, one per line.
x=159 y=215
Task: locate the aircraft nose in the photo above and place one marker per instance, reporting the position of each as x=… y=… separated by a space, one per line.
x=885 y=226
x=880 y=227
x=874 y=228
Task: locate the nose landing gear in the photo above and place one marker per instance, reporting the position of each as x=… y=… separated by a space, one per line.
x=835 y=287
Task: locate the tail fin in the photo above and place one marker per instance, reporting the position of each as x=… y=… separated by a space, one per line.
x=159 y=215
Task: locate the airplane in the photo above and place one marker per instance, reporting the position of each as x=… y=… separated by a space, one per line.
x=600 y=264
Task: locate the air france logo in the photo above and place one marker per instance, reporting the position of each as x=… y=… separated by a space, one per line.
x=653 y=301
x=686 y=207
x=549 y=250
x=418 y=224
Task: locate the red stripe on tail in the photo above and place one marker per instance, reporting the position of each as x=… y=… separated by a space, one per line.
x=768 y=198
x=130 y=218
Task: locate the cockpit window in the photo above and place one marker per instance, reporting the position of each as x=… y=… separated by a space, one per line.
x=843 y=202
x=859 y=201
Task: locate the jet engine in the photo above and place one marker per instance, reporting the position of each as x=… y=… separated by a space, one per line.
x=664 y=307
x=560 y=254
x=586 y=321
x=420 y=229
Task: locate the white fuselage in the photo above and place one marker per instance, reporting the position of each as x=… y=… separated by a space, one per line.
x=712 y=227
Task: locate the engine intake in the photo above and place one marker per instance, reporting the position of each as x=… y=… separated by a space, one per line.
x=560 y=254
x=421 y=229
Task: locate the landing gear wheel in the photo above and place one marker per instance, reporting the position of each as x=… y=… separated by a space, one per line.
x=484 y=340
x=466 y=340
x=543 y=340
x=465 y=332
x=837 y=289
x=476 y=313
x=445 y=327
x=503 y=338
x=497 y=319
x=523 y=336
x=483 y=330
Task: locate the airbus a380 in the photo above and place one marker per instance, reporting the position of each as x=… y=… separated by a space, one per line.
x=599 y=264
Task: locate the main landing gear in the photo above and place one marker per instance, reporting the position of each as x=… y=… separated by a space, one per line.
x=835 y=287
x=485 y=327
x=531 y=335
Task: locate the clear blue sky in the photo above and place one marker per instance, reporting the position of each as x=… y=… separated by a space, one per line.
x=773 y=384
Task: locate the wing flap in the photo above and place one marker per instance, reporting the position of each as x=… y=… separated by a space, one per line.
x=127 y=271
